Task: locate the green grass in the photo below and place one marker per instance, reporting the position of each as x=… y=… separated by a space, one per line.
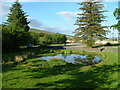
x=34 y=73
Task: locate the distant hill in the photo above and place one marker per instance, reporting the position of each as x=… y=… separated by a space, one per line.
x=42 y=31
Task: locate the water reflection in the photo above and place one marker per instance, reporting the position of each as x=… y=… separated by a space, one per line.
x=74 y=58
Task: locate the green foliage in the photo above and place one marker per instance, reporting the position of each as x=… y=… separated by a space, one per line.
x=14 y=39
x=59 y=38
x=89 y=22
x=90 y=42
x=44 y=39
x=35 y=37
x=17 y=18
x=15 y=30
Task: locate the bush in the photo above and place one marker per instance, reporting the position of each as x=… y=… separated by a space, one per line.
x=59 y=38
x=44 y=39
x=35 y=37
x=12 y=39
x=108 y=44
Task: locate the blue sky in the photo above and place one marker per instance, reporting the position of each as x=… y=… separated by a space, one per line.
x=58 y=16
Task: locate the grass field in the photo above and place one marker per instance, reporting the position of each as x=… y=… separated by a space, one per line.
x=34 y=73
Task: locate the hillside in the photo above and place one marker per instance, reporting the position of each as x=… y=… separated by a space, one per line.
x=42 y=31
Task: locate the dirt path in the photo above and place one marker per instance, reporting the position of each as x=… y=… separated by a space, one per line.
x=81 y=47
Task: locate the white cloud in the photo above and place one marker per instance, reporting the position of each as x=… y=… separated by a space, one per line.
x=4 y=9
x=68 y=15
x=58 y=0
x=34 y=22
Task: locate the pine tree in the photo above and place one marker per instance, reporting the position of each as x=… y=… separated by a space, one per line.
x=17 y=18
x=15 y=30
x=89 y=22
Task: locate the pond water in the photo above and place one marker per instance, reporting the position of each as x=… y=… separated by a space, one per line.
x=74 y=58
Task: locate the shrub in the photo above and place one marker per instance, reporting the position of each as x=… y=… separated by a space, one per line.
x=108 y=44
x=13 y=39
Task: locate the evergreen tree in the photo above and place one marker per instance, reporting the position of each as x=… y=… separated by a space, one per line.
x=17 y=18
x=15 y=30
x=89 y=22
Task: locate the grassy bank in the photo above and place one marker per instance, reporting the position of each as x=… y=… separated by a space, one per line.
x=24 y=53
x=34 y=73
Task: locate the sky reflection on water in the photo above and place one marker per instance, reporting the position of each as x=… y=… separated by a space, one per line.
x=74 y=58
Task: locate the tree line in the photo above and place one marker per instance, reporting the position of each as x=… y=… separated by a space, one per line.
x=45 y=39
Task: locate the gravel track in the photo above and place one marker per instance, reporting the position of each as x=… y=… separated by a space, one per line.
x=82 y=47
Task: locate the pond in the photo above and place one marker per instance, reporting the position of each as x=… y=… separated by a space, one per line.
x=74 y=58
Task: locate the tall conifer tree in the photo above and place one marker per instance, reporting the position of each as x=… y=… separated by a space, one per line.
x=15 y=30
x=89 y=22
x=17 y=18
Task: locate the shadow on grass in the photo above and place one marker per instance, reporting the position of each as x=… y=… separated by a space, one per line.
x=56 y=70
x=106 y=45
x=19 y=56
x=27 y=53
x=9 y=67
x=67 y=75
x=96 y=77
x=113 y=45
